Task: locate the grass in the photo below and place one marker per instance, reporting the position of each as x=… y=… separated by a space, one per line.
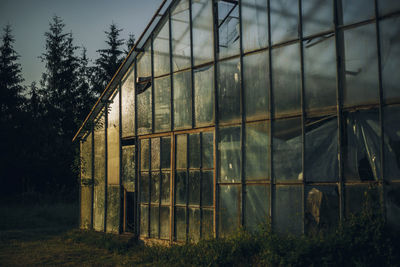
x=47 y=235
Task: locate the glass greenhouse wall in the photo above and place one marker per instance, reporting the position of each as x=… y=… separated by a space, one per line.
x=238 y=113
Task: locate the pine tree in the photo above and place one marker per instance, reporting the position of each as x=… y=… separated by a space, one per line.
x=130 y=43
x=109 y=59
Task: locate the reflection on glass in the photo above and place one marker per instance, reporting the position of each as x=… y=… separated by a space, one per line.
x=86 y=159
x=128 y=168
x=388 y=6
x=284 y=20
x=207 y=224
x=164 y=222
x=144 y=187
x=128 y=105
x=113 y=142
x=317 y=16
x=165 y=188
x=361 y=66
x=155 y=153
x=207 y=189
x=286 y=79
x=144 y=154
x=204 y=96
x=359 y=197
x=154 y=221
x=180 y=187
x=144 y=111
x=202 y=31
x=194 y=224
x=256 y=151
x=229 y=154
x=182 y=100
x=181 y=151
x=194 y=150
x=228 y=28
x=161 y=50
x=155 y=187
x=85 y=207
x=229 y=209
x=288 y=217
x=207 y=140
x=356 y=11
x=144 y=221
x=256 y=206
x=180 y=224
x=166 y=152
x=144 y=62
x=392 y=205
x=162 y=104
x=99 y=173
x=180 y=31
x=256 y=84
x=229 y=90
x=254 y=24
x=391 y=142
x=194 y=188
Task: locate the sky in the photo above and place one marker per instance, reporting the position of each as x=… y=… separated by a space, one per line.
x=86 y=19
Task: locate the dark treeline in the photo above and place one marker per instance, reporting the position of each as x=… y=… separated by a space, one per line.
x=38 y=122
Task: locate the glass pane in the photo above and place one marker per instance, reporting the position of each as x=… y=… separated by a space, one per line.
x=194 y=224
x=180 y=224
x=113 y=142
x=144 y=62
x=86 y=207
x=182 y=100
x=207 y=225
x=154 y=221
x=164 y=222
x=256 y=84
x=144 y=187
x=155 y=187
x=284 y=20
x=207 y=150
x=203 y=35
x=390 y=57
x=392 y=142
x=392 y=198
x=388 y=6
x=287 y=146
x=113 y=209
x=165 y=188
x=322 y=208
x=288 y=217
x=155 y=153
x=254 y=24
x=181 y=151
x=128 y=105
x=207 y=189
x=86 y=160
x=161 y=50
x=320 y=73
x=228 y=28
x=229 y=154
x=321 y=151
x=180 y=30
x=144 y=154
x=99 y=174
x=144 y=221
x=204 y=96
x=166 y=152
x=194 y=150
x=362 y=146
x=286 y=80
x=355 y=11
x=256 y=206
x=229 y=90
x=194 y=188
x=180 y=187
x=144 y=111
x=361 y=66
x=229 y=209
x=317 y=16
x=257 y=151
x=359 y=197
x=162 y=104
x=128 y=168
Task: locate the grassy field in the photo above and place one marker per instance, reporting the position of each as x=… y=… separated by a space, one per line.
x=47 y=235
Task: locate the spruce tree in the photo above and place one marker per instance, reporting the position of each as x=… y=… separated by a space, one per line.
x=130 y=43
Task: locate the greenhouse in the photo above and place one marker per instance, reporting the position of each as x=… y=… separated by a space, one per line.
x=232 y=114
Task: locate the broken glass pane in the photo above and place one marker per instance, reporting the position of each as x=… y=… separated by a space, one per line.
x=182 y=100
x=256 y=85
x=144 y=111
x=166 y=152
x=162 y=104
x=361 y=66
x=161 y=50
x=284 y=20
x=207 y=225
x=207 y=186
x=144 y=154
x=355 y=11
x=155 y=153
x=165 y=188
x=286 y=79
x=229 y=209
x=317 y=16
x=181 y=151
x=229 y=90
x=144 y=221
x=194 y=150
x=257 y=151
x=164 y=222
x=180 y=224
x=229 y=154
x=113 y=150
x=180 y=187
x=388 y=6
x=392 y=142
x=154 y=221
x=128 y=168
x=180 y=31
x=287 y=146
x=320 y=73
x=155 y=187
x=321 y=151
x=144 y=187
x=362 y=145
x=390 y=57
x=322 y=208
x=207 y=150
x=228 y=28
x=203 y=35
x=256 y=206
x=359 y=197
x=194 y=224
x=128 y=105
x=254 y=24
x=392 y=198
x=194 y=188
x=204 y=96
x=288 y=214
